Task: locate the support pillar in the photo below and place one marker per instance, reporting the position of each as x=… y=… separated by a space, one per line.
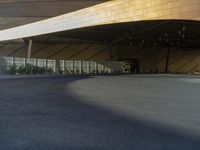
x=65 y=68
x=13 y=61
x=95 y=66
x=81 y=64
x=104 y=69
x=73 y=63
x=25 y=62
x=46 y=63
x=89 y=66
x=29 y=48
x=36 y=62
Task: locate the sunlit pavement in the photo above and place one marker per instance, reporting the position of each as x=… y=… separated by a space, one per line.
x=141 y=112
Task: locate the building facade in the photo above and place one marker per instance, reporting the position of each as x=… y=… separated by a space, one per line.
x=155 y=36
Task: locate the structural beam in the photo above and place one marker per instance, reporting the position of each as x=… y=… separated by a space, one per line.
x=59 y=51
x=99 y=52
x=82 y=50
x=40 y=49
x=16 y=50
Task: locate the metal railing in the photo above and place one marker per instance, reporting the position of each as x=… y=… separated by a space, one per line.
x=62 y=66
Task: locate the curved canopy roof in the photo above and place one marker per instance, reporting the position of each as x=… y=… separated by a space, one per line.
x=19 y=12
x=111 y=12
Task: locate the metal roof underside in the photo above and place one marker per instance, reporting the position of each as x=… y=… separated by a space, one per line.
x=159 y=33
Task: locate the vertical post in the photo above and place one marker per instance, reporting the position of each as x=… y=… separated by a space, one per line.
x=24 y=60
x=97 y=68
x=167 y=60
x=55 y=68
x=73 y=66
x=0 y=65
x=46 y=63
x=13 y=61
x=29 y=48
x=65 y=69
x=36 y=62
x=81 y=65
x=58 y=67
x=88 y=66
x=104 y=64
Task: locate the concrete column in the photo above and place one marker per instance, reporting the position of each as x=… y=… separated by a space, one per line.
x=55 y=66
x=73 y=66
x=46 y=63
x=64 y=66
x=95 y=66
x=13 y=61
x=36 y=62
x=81 y=66
x=58 y=66
x=88 y=66
x=24 y=60
x=104 y=67
x=29 y=48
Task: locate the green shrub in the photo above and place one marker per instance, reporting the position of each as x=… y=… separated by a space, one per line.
x=49 y=70
x=31 y=69
x=22 y=70
x=38 y=70
x=13 y=70
x=60 y=71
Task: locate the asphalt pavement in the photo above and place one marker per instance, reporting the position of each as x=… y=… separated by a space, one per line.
x=130 y=112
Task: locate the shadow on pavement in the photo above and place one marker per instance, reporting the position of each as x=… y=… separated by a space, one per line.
x=36 y=113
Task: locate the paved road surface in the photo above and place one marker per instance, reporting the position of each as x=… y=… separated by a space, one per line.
x=146 y=112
